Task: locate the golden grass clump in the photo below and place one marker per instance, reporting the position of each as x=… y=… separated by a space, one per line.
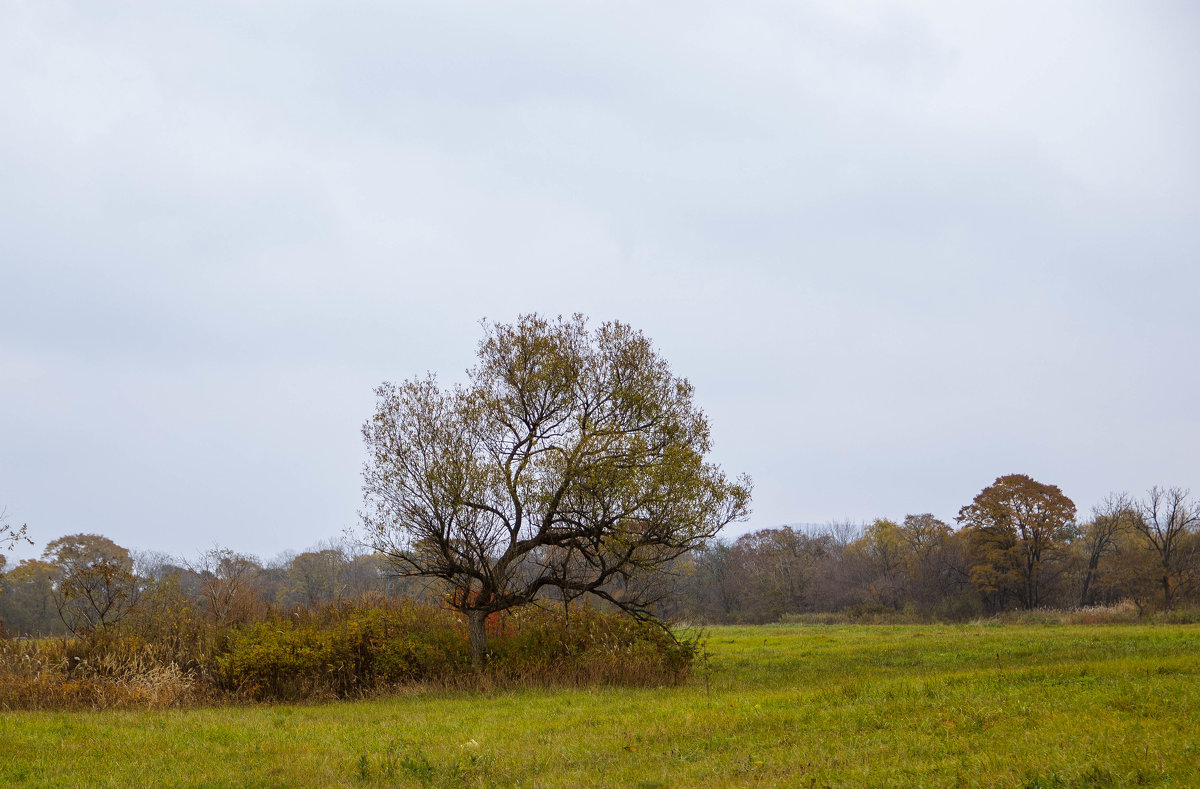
x=43 y=674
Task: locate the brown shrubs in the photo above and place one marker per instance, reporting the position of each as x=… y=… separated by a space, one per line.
x=170 y=656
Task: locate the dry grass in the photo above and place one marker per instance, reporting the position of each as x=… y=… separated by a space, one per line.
x=44 y=675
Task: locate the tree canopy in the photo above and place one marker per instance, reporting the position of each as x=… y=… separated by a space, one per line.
x=95 y=585
x=1017 y=525
x=572 y=459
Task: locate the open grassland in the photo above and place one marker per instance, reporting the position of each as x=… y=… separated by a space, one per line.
x=971 y=705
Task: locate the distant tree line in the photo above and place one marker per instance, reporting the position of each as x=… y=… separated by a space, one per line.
x=85 y=581
x=1017 y=545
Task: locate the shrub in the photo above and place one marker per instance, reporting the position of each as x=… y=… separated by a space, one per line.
x=1179 y=616
x=1123 y=612
x=339 y=650
x=589 y=648
x=171 y=655
x=346 y=650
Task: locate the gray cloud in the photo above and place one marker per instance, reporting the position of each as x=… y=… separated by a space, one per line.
x=900 y=249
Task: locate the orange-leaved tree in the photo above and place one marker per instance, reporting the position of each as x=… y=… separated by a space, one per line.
x=1018 y=528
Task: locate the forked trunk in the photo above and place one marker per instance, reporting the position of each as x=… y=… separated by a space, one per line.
x=477 y=627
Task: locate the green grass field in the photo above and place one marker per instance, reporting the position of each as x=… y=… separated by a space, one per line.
x=971 y=705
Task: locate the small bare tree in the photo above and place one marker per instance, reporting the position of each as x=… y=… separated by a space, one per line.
x=843 y=532
x=1098 y=538
x=11 y=535
x=1166 y=518
x=227 y=584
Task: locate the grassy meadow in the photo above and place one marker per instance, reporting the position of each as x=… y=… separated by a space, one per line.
x=786 y=705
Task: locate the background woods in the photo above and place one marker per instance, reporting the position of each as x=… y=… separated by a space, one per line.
x=1017 y=546
x=94 y=624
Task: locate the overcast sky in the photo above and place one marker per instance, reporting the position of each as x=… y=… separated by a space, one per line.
x=900 y=249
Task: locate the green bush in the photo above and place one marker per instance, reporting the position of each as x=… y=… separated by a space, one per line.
x=590 y=647
x=347 y=650
x=338 y=651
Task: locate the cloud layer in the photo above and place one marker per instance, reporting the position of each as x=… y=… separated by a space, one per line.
x=899 y=249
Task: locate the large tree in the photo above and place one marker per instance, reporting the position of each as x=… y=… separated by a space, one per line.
x=564 y=441
x=1017 y=526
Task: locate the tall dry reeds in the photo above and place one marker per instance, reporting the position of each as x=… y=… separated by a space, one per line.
x=50 y=674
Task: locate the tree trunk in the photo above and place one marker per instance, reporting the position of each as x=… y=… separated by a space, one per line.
x=1087 y=587
x=476 y=623
x=1092 y=570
